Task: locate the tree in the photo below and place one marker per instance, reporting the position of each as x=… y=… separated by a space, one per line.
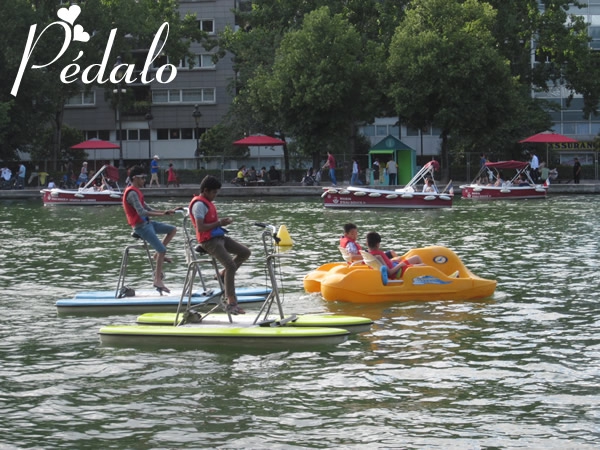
x=319 y=84
x=447 y=72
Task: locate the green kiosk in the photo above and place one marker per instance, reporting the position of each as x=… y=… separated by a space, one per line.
x=393 y=148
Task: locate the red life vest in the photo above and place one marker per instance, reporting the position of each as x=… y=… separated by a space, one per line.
x=344 y=242
x=389 y=263
x=133 y=218
x=211 y=217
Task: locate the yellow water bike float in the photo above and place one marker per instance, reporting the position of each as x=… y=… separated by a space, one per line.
x=443 y=277
x=352 y=324
x=235 y=334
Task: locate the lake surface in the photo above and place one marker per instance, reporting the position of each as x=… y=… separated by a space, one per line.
x=518 y=370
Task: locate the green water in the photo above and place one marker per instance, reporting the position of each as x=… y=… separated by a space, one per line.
x=518 y=370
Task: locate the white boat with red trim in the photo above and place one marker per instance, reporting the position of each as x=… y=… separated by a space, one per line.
x=410 y=196
x=108 y=193
x=490 y=184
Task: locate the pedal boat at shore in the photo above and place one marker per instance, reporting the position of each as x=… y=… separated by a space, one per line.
x=513 y=189
x=88 y=194
x=443 y=277
x=409 y=196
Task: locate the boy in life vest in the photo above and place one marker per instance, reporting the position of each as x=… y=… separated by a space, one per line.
x=349 y=241
x=212 y=237
x=138 y=216
x=396 y=268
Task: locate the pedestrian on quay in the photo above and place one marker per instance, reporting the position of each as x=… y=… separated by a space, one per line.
x=576 y=171
x=330 y=164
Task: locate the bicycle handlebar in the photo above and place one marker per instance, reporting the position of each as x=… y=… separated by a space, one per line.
x=272 y=227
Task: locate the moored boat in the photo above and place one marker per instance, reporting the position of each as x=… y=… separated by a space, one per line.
x=108 y=193
x=410 y=196
x=490 y=185
x=443 y=277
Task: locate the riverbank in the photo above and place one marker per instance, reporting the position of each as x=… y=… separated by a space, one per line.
x=286 y=190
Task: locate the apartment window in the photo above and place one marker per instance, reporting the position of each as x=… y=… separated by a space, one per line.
x=163 y=60
x=82 y=99
x=207 y=25
x=174 y=95
x=381 y=130
x=173 y=134
x=133 y=135
x=411 y=131
x=202 y=61
x=196 y=95
x=369 y=130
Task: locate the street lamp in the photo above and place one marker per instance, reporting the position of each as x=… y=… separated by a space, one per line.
x=149 y=118
x=197 y=115
x=119 y=91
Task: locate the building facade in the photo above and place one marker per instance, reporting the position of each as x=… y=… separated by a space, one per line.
x=159 y=118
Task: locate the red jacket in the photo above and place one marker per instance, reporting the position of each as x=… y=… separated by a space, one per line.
x=133 y=218
x=344 y=242
x=211 y=217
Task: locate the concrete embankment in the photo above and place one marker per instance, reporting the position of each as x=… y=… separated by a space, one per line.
x=187 y=191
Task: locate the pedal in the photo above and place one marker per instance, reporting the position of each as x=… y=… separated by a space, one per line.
x=192 y=316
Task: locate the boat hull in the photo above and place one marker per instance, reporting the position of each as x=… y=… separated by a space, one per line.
x=352 y=324
x=475 y=192
x=361 y=284
x=234 y=335
x=79 y=197
x=104 y=302
x=374 y=198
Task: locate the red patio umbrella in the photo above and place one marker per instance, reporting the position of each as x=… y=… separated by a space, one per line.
x=547 y=137
x=258 y=140
x=95 y=144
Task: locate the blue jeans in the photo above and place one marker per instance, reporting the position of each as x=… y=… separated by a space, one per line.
x=149 y=231
x=332 y=176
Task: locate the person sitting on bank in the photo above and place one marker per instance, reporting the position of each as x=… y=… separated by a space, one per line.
x=211 y=235
x=396 y=267
x=138 y=217
x=274 y=175
x=240 y=176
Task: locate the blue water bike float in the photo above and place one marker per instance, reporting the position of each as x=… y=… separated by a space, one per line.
x=125 y=299
x=199 y=326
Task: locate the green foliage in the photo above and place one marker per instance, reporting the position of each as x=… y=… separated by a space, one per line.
x=316 y=85
x=218 y=140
